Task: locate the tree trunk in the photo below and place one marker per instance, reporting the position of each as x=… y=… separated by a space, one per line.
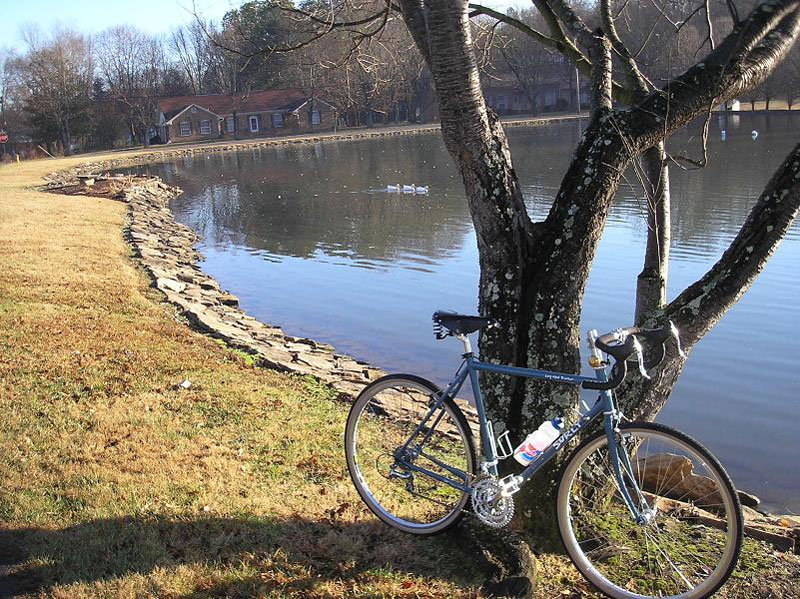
x=66 y=138
x=651 y=285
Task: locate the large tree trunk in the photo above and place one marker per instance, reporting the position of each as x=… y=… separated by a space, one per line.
x=477 y=143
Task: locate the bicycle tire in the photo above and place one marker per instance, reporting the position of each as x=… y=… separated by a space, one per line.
x=371 y=421
x=701 y=529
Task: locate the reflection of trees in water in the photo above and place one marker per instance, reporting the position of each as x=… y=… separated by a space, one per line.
x=302 y=200
x=710 y=205
x=214 y=214
x=365 y=228
x=298 y=201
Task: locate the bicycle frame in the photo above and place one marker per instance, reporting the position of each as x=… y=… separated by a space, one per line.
x=470 y=368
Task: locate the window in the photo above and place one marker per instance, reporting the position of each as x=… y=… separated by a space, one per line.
x=253 y=124
x=502 y=103
x=549 y=98
x=205 y=127
x=229 y=124
x=315 y=117
x=277 y=120
x=194 y=109
x=186 y=128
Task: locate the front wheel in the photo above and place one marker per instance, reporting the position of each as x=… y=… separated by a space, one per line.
x=381 y=422
x=691 y=540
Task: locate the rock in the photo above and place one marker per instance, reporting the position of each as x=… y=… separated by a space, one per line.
x=670 y=475
x=170 y=284
x=228 y=300
x=748 y=499
x=209 y=284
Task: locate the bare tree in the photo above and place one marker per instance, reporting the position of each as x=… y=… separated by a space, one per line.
x=133 y=65
x=56 y=75
x=192 y=50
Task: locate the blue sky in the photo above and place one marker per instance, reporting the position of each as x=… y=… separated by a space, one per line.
x=93 y=16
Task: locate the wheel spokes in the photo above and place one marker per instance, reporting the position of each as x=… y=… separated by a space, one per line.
x=687 y=543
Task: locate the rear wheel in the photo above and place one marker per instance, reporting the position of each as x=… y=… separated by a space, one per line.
x=382 y=419
x=690 y=544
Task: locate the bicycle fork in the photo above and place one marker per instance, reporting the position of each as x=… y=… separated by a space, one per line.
x=639 y=509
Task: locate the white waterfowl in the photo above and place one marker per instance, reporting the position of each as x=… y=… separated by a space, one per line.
x=393 y=188
x=409 y=188
x=421 y=189
x=754 y=134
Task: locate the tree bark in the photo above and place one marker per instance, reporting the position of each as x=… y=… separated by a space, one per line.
x=477 y=143
x=651 y=284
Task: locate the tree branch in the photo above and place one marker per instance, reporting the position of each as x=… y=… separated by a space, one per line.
x=743 y=59
x=636 y=80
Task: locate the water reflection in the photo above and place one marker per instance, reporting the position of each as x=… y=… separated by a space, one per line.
x=307 y=237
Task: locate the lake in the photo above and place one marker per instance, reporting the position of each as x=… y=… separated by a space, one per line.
x=309 y=239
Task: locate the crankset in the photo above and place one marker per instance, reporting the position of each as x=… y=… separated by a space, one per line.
x=489 y=504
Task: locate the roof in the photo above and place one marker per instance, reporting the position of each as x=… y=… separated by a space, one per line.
x=254 y=101
x=169 y=116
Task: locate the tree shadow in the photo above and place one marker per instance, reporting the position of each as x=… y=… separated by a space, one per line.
x=295 y=556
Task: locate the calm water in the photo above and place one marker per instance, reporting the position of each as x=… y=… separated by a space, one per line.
x=308 y=239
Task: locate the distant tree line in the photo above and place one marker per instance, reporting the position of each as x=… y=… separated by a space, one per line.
x=68 y=91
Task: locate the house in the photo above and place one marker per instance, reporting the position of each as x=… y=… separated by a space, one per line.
x=243 y=115
x=553 y=91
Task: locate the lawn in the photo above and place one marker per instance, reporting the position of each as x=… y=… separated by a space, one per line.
x=116 y=481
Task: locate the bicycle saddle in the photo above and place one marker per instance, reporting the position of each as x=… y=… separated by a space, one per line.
x=446 y=322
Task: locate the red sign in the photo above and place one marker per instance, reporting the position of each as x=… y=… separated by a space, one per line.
x=3 y=138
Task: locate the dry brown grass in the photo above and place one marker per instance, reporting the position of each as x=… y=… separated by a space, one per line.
x=116 y=482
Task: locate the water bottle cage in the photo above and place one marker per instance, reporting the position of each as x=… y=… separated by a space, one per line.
x=504 y=447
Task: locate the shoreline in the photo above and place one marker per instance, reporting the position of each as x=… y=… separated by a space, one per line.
x=113 y=159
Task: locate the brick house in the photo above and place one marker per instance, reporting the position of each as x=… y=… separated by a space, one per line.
x=554 y=91
x=241 y=116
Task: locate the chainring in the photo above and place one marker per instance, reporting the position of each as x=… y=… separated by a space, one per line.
x=488 y=503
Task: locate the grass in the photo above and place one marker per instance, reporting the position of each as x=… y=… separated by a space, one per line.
x=116 y=481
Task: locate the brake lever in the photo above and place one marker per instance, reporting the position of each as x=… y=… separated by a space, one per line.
x=640 y=357
x=677 y=336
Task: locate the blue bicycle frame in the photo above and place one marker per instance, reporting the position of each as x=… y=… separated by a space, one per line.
x=470 y=367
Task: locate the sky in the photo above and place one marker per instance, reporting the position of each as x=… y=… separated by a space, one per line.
x=93 y=16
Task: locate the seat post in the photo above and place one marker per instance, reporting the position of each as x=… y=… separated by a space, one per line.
x=465 y=340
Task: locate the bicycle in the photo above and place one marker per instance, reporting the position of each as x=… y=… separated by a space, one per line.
x=643 y=510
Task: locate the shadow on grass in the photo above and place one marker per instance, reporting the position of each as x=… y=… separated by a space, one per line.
x=234 y=557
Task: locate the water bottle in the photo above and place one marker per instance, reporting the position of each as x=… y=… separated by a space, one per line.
x=538 y=441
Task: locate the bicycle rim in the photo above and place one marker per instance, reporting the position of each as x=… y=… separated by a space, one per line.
x=383 y=418
x=692 y=542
